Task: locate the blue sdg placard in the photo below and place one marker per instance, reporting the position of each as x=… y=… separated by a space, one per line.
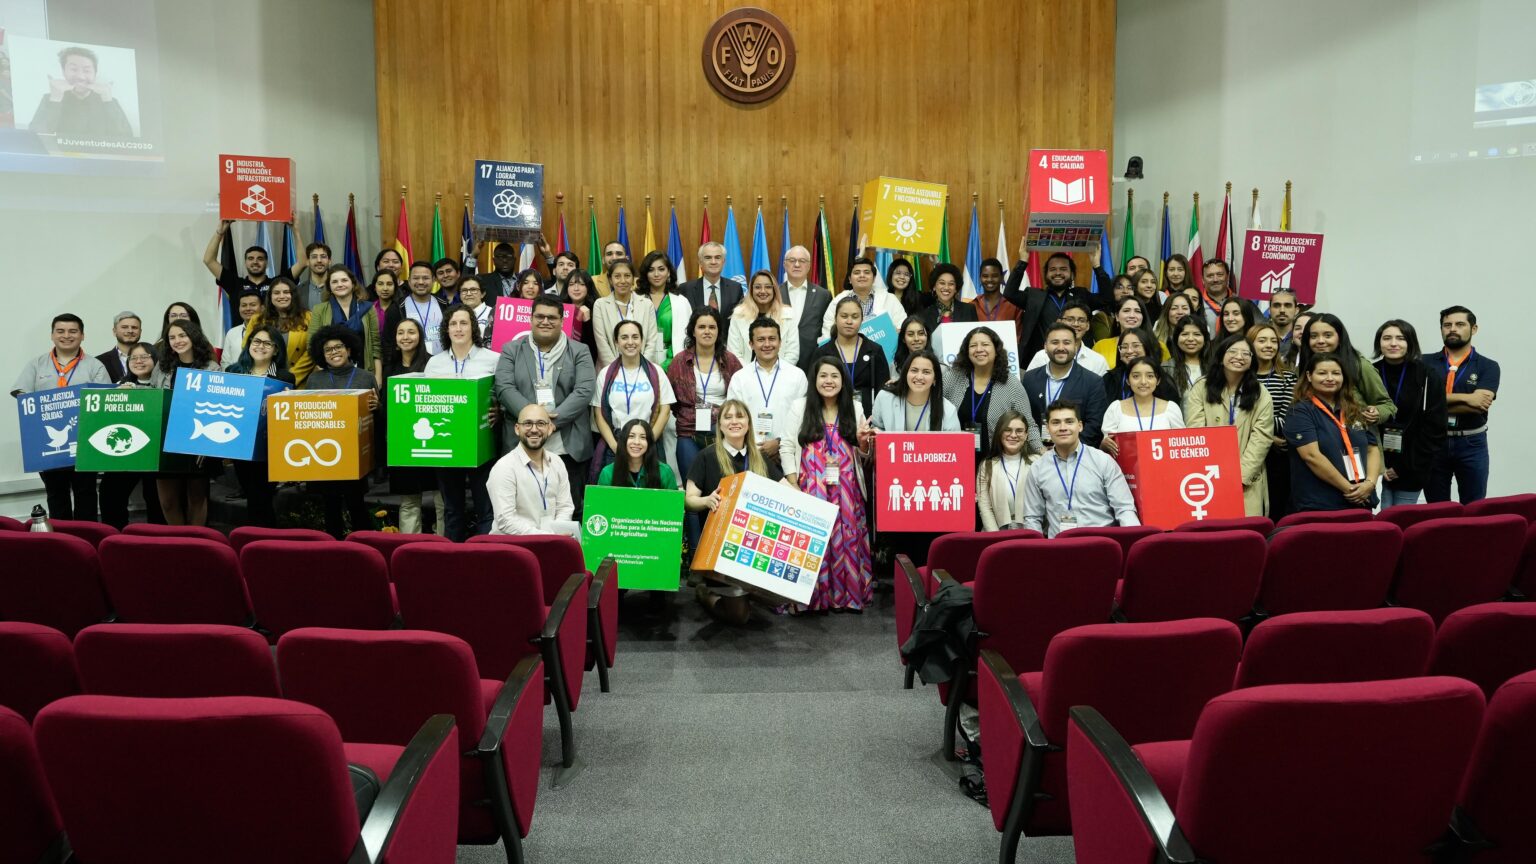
x=881 y=330
x=218 y=414
x=509 y=195
x=49 y=421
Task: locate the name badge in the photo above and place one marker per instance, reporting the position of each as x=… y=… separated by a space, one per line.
x=764 y=423
x=545 y=396
x=703 y=418
x=976 y=441
x=832 y=475
x=1392 y=440
x=1066 y=520
x=1354 y=469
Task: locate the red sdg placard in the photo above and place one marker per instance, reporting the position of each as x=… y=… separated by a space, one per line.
x=256 y=188
x=1181 y=475
x=1281 y=260
x=925 y=481
x=1068 y=199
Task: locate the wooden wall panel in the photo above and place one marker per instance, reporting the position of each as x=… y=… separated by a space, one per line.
x=610 y=97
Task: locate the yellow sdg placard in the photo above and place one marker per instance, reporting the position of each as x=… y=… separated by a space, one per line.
x=904 y=215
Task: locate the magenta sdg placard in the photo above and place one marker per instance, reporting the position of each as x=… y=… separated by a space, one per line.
x=1273 y=260
x=514 y=317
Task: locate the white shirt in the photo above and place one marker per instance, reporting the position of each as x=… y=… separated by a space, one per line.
x=1168 y=416
x=762 y=392
x=1086 y=357
x=480 y=363
x=526 y=500
x=630 y=397
x=430 y=316
x=797 y=293
x=229 y=350
x=1090 y=479
x=738 y=339
x=880 y=300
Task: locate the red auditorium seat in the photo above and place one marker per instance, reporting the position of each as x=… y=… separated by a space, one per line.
x=388 y=541
x=1321 y=567
x=9 y=524
x=51 y=579
x=559 y=557
x=37 y=666
x=93 y=532
x=1486 y=644
x=145 y=529
x=1192 y=575
x=1406 y=516
x=1125 y=535
x=31 y=830
x=1337 y=647
x=251 y=533
x=1261 y=524
x=1449 y=564
x=1325 y=517
x=1364 y=773
x=1152 y=680
x=1525 y=574
x=1518 y=505
x=305 y=583
x=492 y=596
x=176 y=781
x=1493 y=813
x=380 y=685
x=175 y=661
x=174 y=580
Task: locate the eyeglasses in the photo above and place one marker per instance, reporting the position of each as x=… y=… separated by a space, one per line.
x=797 y=260
x=534 y=424
x=335 y=349
x=546 y=317
x=262 y=343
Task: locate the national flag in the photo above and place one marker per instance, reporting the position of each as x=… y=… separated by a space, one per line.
x=823 y=252
x=439 y=249
x=818 y=274
x=855 y=248
x=403 y=235
x=917 y=270
x=623 y=235
x=972 y=273
x=267 y=243
x=594 y=243
x=351 y=255
x=1254 y=223
x=525 y=257
x=467 y=244
x=561 y=243
x=1033 y=277
x=943 y=257
x=883 y=259
x=1128 y=237
x=319 y=222
x=1166 y=250
x=675 y=249
x=1285 y=209
x=704 y=236
x=1002 y=242
x=784 y=244
x=650 y=234
x=229 y=265
x=1224 y=242
x=759 y=244
x=1106 y=262
x=734 y=265
x=290 y=251
x=1195 y=256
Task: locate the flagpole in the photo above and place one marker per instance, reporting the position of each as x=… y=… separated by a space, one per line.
x=860 y=245
x=1285 y=210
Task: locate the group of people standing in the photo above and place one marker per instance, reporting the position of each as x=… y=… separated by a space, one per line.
x=668 y=385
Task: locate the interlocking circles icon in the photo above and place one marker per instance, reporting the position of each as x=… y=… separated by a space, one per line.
x=508 y=203
x=313 y=452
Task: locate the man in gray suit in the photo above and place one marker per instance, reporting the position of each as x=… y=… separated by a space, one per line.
x=548 y=369
x=710 y=285
x=808 y=299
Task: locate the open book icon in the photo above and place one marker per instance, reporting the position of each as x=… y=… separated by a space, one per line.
x=1063 y=192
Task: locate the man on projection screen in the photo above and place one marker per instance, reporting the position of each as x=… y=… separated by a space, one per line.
x=77 y=105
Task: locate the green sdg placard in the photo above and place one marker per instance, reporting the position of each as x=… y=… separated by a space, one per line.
x=122 y=429
x=641 y=528
x=439 y=422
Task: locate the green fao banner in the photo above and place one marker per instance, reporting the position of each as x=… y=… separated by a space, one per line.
x=122 y=429
x=439 y=422
x=641 y=528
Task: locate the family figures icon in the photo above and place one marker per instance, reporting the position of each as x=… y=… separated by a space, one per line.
x=929 y=497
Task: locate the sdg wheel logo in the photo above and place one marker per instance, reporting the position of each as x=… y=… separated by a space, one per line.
x=597 y=525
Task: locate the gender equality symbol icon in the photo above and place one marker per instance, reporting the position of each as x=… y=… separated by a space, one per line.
x=1197 y=489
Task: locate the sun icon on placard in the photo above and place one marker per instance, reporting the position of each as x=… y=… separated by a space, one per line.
x=908 y=227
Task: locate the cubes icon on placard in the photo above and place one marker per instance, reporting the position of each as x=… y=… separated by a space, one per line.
x=256 y=201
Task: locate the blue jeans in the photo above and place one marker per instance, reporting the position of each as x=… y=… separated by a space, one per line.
x=688 y=449
x=1466 y=460
x=1394 y=498
x=453 y=482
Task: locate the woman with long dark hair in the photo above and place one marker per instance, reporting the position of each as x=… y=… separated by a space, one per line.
x=1231 y=395
x=581 y=293
x=1237 y=317
x=463 y=358
x=658 y=280
x=1276 y=377
x=901 y=281
x=638 y=464
x=629 y=388
x=825 y=459
x=1187 y=350
x=1129 y=314
x=944 y=287
x=911 y=337
x=915 y=402
x=1177 y=276
x=285 y=309
x=1142 y=410
x=700 y=374
x=183 y=487
x=1326 y=334
x=1335 y=459
x=1412 y=439
x=862 y=357
x=1129 y=345
x=999 y=479
x=406 y=354
x=334 y=350
x=342 y=305
x=981 y=388
x=263 y=356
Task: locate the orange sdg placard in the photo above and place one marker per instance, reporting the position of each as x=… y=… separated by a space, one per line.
x=319 y=435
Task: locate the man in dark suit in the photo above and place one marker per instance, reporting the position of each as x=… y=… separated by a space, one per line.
x=1040 y=309
x=808 y=299
x=126 y=328
x=1063 y=378
x=710 y=289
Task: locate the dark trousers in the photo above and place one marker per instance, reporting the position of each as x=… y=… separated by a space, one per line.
x=459 y=524
x=1277 y=468
x=117 y=488
x=258 y=494
x=344 y=496
x=71 y=494
x=1464 y=459
x=576 y=473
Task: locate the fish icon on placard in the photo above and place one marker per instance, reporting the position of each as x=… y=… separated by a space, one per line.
x=219 y=432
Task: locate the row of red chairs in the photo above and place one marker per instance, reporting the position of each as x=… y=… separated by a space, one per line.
x=1152 y=680
x=170 y=705
x=495 y=595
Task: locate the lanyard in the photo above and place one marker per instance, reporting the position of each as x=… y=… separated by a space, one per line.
x=1013 y=479
x=868 y=308
x=704 y=380
x=628 y=393
x=850 y=365
x=1232 y=410
x=1349 y=447
x=920 y=415
x=1125 y=386
x=543 y=492
x=977 y=403
x=1061 y=305
x=1151 y=419
x=1453 y=371
x=422 y=315
x=67 y=371
x=458 y=368
x=757 y=370
x=541 y=364
x=1048 y=379
x=1398 y=390
x=988 y=314
x=1056 y=463
x=628 y=307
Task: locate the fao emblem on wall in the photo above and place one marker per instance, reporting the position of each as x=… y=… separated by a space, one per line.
x=749 y=55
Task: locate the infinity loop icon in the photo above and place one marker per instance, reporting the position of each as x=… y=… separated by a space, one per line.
x=314 y=452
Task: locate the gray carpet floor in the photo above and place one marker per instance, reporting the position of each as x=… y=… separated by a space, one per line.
x=791 y=742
